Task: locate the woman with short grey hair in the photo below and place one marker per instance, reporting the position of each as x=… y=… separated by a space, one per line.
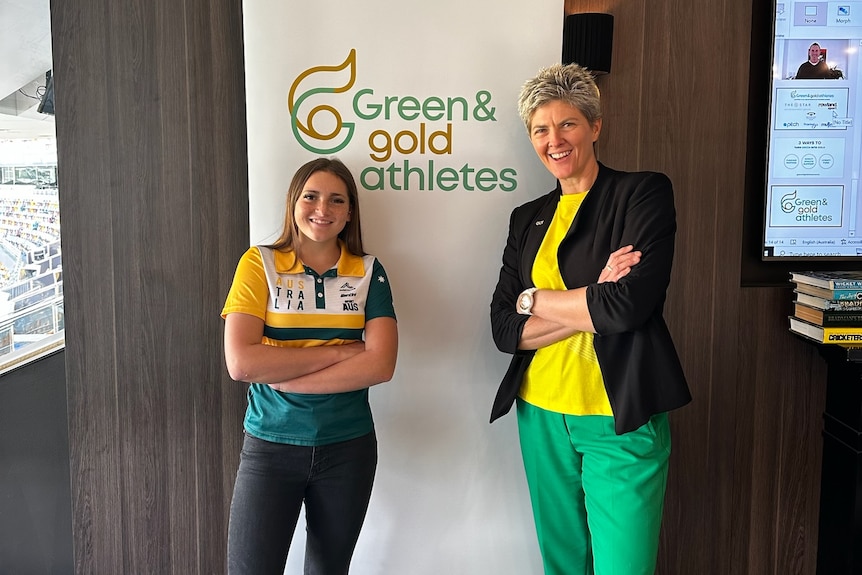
x=594 y=370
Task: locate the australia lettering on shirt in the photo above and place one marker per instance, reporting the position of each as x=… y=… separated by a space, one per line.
x=289 y=294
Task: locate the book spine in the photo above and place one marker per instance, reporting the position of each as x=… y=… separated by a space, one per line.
x=837 y=335
x=832 y=319
x=848 y=305
x=847 y=294
x=846 y=284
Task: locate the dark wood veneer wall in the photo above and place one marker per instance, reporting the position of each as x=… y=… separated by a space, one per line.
x=743 y=494
x=150 y=116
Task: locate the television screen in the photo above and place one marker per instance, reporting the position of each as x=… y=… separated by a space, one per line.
x=813 y=201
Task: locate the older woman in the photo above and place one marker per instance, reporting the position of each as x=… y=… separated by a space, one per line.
x=594 y=370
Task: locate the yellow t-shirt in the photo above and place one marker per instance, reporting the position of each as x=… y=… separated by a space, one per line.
x=563 y=377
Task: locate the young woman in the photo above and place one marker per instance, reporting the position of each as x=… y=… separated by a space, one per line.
x=309 y=322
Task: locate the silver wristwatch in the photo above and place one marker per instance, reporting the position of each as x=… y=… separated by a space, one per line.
x=524 y=306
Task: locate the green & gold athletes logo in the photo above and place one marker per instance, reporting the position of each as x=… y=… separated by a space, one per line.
x=424 y=127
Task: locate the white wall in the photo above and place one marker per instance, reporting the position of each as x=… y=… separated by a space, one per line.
x=450 y=495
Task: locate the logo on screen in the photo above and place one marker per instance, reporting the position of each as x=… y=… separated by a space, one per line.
x=788 y=202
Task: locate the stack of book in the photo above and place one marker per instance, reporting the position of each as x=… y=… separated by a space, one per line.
x=828 y=306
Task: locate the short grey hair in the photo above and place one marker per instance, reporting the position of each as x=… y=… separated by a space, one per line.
x=571 y=83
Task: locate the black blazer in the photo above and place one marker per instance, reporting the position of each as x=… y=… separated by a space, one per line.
x=639 y=363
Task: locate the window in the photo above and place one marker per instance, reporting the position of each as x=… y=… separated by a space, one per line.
x=31 y=271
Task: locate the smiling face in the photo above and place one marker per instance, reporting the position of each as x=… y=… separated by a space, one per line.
x=814 y=53
x=563 y=139
x=322 y=209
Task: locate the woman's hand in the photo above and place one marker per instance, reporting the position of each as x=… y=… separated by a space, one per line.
x=557 y=314
x=619 y=264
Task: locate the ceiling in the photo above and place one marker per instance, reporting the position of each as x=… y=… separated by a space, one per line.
x=25 y=56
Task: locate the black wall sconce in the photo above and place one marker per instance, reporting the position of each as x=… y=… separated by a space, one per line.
x=587 y=40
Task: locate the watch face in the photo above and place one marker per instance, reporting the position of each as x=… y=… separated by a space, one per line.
x=525 y=302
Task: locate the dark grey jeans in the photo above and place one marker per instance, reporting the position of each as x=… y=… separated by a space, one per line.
x=273 y=481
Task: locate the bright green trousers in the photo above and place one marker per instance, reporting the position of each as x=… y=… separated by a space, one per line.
x=597 y=497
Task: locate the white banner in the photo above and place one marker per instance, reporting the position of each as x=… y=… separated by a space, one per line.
x=419 y=100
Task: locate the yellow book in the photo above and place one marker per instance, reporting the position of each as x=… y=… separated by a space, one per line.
x=838 y=335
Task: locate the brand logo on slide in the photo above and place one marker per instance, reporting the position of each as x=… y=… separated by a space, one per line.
x=788 y=202
x=812 y=205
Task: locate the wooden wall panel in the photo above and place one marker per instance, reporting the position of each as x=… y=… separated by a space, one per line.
x=80 y=83
x=743 y=492
x=219 y=237
x=152 y=167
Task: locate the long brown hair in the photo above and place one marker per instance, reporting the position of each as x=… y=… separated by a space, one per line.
x=351 y=235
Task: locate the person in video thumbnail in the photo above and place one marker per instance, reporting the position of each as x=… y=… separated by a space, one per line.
x=594 y=370
x=310 y=324
x=815 y=68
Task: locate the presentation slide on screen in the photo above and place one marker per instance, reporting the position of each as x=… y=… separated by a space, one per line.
x=808 y=157
x=811 y=108
x=815 y=138
x=806 y=207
